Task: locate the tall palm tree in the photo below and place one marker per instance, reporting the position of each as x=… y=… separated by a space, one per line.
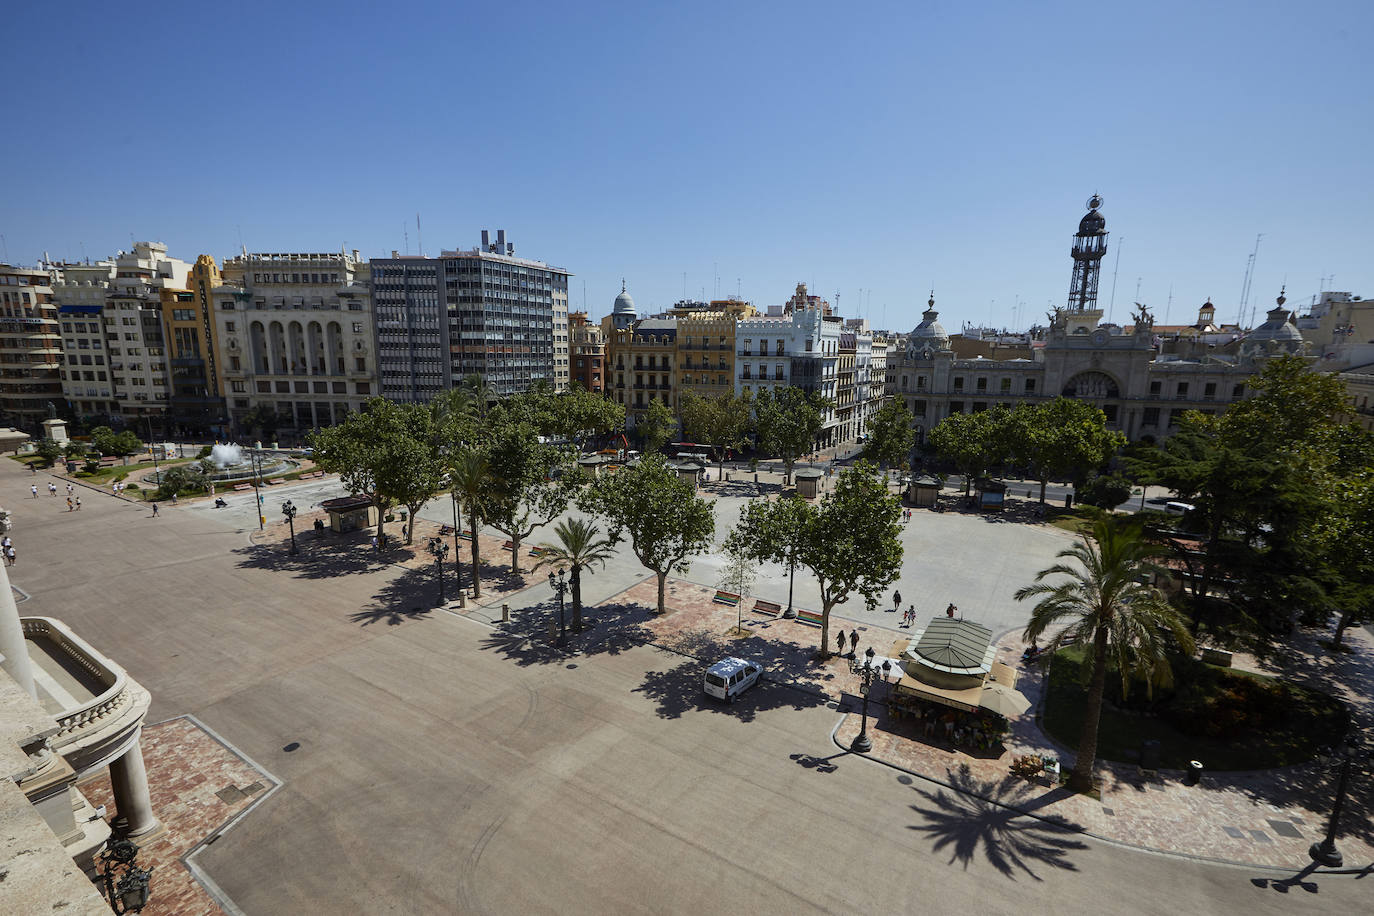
x=1106 y=603
x=471 y=478
x=578 y=548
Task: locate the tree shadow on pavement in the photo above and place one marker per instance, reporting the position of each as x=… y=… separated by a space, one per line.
x=531 y=637
x=412 y=595
x=316 y=561
x=678 y=690
x=976 y=816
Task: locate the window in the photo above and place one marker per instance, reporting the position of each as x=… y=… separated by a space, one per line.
x=1030 y=386
x=1182 y=390
x=1237 y=392
x=748 y=347
x=183 y=315
x=1155 y=388
x=956 y=406
x=229 y=326
x=264 y=387
x=1209 y=391
x=357 y=327
x=920 y=383
x=235 y=363
x=958 y=383
x=982 y=384
x=239 y=387
x=360 y=363
x=1006 y=386
x=918 y=408
x=1151 y=416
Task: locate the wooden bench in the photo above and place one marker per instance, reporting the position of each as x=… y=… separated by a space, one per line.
x=465 y=535
x=723 y=597
x=539 y=551
x=508 y=545
x=810 y=618
x=445 y=530
x=277 y=480
x=240 y=487
x=766 y=607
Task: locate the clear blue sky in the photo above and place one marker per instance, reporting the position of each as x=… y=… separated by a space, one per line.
x=888 y=148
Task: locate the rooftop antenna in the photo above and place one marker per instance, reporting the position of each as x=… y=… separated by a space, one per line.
x=419 y=235
x=837 y=303
x=1249 y=275
x=1111 y=303
x=1170 y=303
x=1137 y=289
x=5 y=246
x=739 y=285
x=405 y=230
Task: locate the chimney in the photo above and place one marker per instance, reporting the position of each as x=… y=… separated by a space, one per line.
x=500 y=241
x=355 y=255
x=486 y=240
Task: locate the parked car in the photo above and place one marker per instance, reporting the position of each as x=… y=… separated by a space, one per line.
x=730 y=677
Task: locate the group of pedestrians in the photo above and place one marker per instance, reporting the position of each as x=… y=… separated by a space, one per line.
x=7 y=549
x=853 y=642
x=73 y=502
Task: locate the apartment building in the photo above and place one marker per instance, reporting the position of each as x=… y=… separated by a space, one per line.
x=706 y=335
x=588 y=353
x=30 y=347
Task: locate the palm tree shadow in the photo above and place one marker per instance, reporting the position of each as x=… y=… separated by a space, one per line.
x=409 y=596
x=978 y=815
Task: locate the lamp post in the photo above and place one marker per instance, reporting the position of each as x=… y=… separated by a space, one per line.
x=457 y=553
x=288 y=509
x=255 y=459
x=438 y=548
x=863 y=744
x=559 y=584
x=126 y=884
x=791 y=613
x=1349 y=753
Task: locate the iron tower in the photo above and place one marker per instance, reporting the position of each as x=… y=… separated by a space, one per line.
x=1089 y=245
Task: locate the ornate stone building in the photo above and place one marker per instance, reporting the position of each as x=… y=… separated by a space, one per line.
x=1142 y=381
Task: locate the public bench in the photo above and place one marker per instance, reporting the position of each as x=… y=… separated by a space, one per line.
x=508 y=545
x=723 y=597
x=810 y=618
x=445 y=530
x=240 y=487
x=277 y=480
x=538 y=551
x=766 y=607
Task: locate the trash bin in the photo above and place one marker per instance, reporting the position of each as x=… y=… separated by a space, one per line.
x=1149 y=754
x=1194 y=773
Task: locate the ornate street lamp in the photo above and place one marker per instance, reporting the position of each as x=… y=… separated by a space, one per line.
x=438 y=548
x=126 y=885
x=1350 y=752
x=457 y=553
x=863 y=744
x=288 y=509
x=560 y=585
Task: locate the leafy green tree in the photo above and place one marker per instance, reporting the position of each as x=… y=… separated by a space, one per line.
x=1104 y=604
x=533 y=483
x=126 y=443
x=577 y=413
x=665 y=519
x=378 y=454
x=770 y=532
x=1061 y=438
x=849 y=541
x=578 y=548
x=470 y=476
x=1106 y=491
x=721 y=422
x=183 y=478
x=786 y=423
x=973 y=442
x=49 y=451
x=891 y=435
x=262 y=417
x=737 y=577
x=658 y=426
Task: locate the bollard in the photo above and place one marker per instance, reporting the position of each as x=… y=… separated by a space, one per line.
x=505 y=613
x=462 y=598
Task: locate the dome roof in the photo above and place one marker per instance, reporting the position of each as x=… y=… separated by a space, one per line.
x=1092 y=223
x=623 y=302
x=1277 y=326
x=930 y=327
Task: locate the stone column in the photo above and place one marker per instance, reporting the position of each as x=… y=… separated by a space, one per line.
x=129 y=780
x=12 y=647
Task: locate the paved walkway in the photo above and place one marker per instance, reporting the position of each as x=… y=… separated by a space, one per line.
x=1256 y=818
x=198 y=785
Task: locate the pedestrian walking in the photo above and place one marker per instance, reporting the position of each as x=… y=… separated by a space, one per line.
x=78 y=504
x=896 y=599
x=34 y=490
x=911 y=615
x=52 y=488
x=69 y=504
x=853 y=642
x=10 y=557
x=70 y=489
x=839 y=642
x=154 y=510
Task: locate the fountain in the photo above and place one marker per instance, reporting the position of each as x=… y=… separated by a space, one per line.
x=228 y=463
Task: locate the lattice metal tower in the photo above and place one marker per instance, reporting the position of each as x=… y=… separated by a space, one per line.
x=1089 y=245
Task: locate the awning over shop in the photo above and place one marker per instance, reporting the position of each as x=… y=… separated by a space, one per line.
x=966 y=699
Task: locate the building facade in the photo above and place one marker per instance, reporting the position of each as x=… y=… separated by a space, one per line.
x=587 y=353
x=640 y=363
x=481 y=312
x=294 y=337
x=706 y=336
x=1143 y=381
x=30 y=348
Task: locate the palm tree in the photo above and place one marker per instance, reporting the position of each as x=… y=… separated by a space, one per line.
x=471 y=478
x=1106 y=602
x=578 y=548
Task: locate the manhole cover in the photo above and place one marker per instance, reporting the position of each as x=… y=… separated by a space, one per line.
x=1108 y=811
x=230 y=794
x=1283 y=828
x=1233 y=833
x=1260 y=836
x=252 y=788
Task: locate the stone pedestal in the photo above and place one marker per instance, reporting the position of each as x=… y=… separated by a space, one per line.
x=56 y=430
x=129 y=781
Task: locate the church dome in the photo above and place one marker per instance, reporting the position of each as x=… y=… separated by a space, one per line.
x=929 y=330
x=623 y=302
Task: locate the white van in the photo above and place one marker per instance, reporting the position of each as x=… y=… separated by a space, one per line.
x=730 y=677
x=1178 y=508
